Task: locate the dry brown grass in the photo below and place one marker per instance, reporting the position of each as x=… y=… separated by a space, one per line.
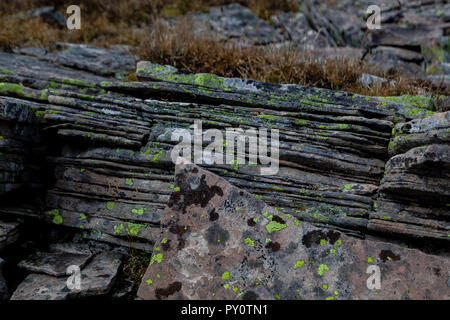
x=136 y=23
x=181 y=48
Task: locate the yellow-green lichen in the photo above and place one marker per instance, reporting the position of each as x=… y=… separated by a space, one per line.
x=156 y=258
x=134 y=228
x=274 y=226
x=249 y=242
x=139 y=212
x=322 y=268
x=298 y=264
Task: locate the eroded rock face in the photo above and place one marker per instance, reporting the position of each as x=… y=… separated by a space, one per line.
x=104 y=62
x=235 y=246
x=414 y=194
x=4 y=294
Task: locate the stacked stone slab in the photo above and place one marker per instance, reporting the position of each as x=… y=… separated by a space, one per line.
x=414 y=194
x=108 y=167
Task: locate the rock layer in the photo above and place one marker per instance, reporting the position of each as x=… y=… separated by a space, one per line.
x=96 y=153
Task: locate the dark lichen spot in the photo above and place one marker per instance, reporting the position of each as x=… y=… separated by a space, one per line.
x=250 y=295
x=251 y=222
x=387 y=255
x=187 y=196
x=278 y=219
x=275 y=246
x=314 y=237
x=178 y=230
x=166 y=246
x=333 y=236
x=213 y=215
x=165 y=292
x=437 y=272
x=216 y=235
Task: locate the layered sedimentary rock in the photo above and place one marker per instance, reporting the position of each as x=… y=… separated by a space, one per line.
x=95 y=154
x=219 y=242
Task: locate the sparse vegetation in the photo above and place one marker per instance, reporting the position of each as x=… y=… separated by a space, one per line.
x=136 y=264
x=138 y=23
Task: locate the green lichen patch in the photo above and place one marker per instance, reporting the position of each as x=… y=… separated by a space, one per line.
x=157 y=258
x=226 y=275
x=249 y=242
x=110 y=205
x=134 y=228
x=139 y=212
x=119 y=229
x=298 y=264
x=274 y=226
x=57 y=219
x=322 y=268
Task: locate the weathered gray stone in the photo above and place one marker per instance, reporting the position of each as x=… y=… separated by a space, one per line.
x=104 y=62
x=295 y=29
x=420 y=132
x=368 y=80
x=97 y=279
x=50 y=15
x=58 y=258
x=235 y=22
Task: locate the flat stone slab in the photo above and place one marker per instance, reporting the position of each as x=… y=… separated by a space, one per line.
x=58 y=259
x=8 y=232
x=104 y=62
x=97 y=278
x=220 y=242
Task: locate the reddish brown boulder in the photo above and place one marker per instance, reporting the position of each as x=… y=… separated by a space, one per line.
x=219 y=242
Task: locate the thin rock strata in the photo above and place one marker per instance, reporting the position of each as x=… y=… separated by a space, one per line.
x=102 y=157
x=86 y=152
x=414 y=196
